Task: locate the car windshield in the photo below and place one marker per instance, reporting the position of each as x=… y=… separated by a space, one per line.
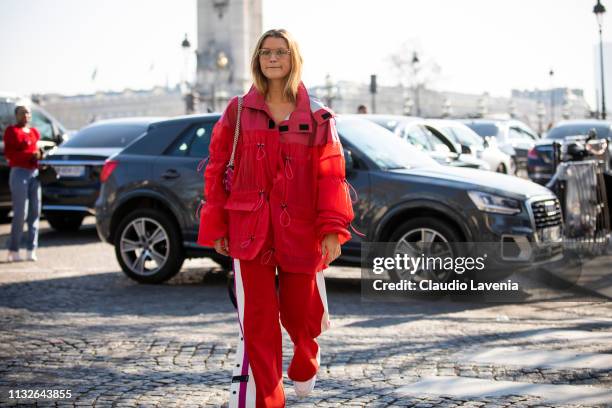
x=484 y=129
x=563 y=131
x=382 y=146
x=107 y=135
x=465 y=136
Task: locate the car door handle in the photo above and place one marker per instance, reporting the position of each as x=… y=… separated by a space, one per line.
x=171 y=174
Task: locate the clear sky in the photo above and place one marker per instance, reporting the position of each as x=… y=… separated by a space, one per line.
x=480 y=45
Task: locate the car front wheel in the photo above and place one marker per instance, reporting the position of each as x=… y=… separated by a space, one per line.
x=429 y=237
x=148 y=246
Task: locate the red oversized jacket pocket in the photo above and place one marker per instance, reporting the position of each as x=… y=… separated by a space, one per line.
x=248 y=218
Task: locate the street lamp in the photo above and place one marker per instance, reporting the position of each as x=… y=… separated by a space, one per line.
x=190 y=95
x=186 y=46
x=222 y=60
x=415 y=70
x=551 y=73
x=599 y=11
x=221 y=63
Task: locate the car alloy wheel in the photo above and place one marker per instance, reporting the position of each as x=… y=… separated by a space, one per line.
x=424 y=242
x=145 y=246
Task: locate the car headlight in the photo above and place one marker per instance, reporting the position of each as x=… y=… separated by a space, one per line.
x=494 y=203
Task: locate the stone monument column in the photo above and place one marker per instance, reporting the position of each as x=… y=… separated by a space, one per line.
x=227 y=32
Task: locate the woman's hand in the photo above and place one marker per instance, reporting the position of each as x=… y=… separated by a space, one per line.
x=221 y=246
x=330 y=248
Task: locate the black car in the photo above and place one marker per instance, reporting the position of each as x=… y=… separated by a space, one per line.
x=540 y=164
x=513 y=137
x=427 y=138
x=70 y=173
x=51 y=132
x=152 y=190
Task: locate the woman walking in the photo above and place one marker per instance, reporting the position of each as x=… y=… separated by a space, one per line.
x=22 y=153
x=285 y=206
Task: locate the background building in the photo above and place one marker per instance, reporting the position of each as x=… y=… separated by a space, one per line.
x=76 y=111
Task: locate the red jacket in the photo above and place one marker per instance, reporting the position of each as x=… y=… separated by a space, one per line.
x=288 y=176
x=20 y=147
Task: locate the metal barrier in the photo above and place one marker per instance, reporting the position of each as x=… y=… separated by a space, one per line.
x=583 y=189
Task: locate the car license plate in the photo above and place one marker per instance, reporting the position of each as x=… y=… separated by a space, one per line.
x=69 y=171
x=550 y=234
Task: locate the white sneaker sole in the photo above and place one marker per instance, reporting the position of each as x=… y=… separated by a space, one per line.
x=304 y=388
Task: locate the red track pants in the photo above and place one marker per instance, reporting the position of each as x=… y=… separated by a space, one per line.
x=301 y=303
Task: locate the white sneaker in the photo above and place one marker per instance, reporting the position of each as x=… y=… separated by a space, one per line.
x=304 y=388
x=13 y=256
x=31 y=256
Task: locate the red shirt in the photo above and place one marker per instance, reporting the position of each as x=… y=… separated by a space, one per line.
x=20 y=147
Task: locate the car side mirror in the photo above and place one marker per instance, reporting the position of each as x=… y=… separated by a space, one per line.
x=58 y=135
x=349 y=164
x=59 y=138
x=465 y=149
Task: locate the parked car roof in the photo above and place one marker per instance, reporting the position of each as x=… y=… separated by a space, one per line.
x=117 y=132
x=188 y=119
x=578 y=127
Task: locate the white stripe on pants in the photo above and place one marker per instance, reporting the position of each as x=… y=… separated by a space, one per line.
x=241 y=396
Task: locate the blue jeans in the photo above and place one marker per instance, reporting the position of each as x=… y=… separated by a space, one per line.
x=25 y=190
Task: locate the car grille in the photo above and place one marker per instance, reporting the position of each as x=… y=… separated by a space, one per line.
x=547 y=213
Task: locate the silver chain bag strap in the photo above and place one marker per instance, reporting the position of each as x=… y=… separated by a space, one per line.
x=229 y=169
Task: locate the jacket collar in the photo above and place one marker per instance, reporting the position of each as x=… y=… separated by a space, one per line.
x=254 y=99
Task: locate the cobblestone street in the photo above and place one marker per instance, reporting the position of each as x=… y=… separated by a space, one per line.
x=73 y=321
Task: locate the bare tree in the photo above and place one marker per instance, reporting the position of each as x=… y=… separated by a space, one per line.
x=414 y=70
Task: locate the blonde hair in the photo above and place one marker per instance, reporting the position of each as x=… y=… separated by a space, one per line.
x=292 y=81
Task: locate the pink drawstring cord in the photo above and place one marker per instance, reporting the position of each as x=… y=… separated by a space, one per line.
x=260 y=201
x=261 y=153
x=351 y=189
x=202 y=163
x=356 y=231
x=285 y=214
x=288 y=168
x=247 y=242
x=267 y=256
